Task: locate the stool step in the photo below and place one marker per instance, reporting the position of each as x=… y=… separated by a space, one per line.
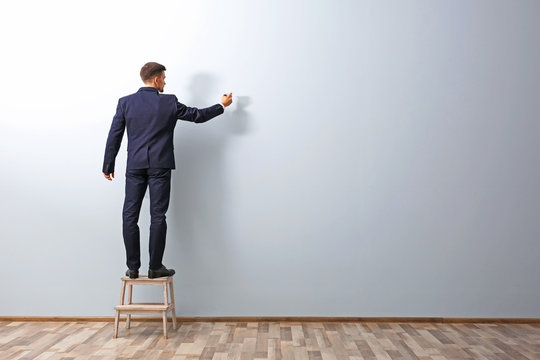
x=145 y=280
x=143 y=307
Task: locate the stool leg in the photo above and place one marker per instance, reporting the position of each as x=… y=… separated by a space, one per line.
x=166 y=302
x=165 y=294
x=116 y=318
x=164 y=315
x=130 y=292
x=123 y=291
x=173 y=304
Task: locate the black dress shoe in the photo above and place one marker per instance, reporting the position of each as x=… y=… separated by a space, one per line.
x=161 y=272
x=133 y=274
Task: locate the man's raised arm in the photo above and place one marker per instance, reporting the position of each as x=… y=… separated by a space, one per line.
x=196 y=115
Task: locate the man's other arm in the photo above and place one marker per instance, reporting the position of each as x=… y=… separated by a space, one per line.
x=114 y=140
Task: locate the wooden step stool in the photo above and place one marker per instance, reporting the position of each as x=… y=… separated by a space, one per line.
x=146 y=308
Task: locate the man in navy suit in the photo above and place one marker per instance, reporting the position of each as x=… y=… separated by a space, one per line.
x=149 y=117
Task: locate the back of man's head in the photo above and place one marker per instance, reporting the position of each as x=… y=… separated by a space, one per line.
x=150 y=70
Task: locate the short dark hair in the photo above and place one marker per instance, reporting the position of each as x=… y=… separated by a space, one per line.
x=151 y=69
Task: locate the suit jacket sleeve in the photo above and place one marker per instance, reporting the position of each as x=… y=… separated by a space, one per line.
x=195 y=115
x=114 y=139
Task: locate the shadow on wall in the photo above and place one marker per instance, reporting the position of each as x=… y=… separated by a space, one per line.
x=197 y=234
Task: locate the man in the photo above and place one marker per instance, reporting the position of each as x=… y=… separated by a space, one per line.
x=150 y=118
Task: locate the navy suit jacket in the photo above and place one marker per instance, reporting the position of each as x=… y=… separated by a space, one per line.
x=150 y=119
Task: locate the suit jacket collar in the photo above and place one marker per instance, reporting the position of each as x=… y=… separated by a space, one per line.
x=149 y=88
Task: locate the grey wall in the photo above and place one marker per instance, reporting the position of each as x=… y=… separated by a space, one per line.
x=380 y=158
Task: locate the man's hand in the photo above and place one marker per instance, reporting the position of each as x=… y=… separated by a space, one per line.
x=109 y=176
x=226 y=99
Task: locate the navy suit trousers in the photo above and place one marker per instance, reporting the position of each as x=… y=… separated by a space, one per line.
x=158 y=182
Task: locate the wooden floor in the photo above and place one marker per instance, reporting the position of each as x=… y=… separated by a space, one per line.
x=270 y=340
